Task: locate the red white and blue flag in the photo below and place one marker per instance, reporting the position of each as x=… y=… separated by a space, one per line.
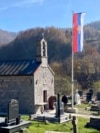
x=78 y=22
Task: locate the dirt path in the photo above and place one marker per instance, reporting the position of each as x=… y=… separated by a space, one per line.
x=86 y=113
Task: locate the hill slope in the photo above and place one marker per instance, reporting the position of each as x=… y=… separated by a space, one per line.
x=6 y=37
x=24 y=46
x=59 y=42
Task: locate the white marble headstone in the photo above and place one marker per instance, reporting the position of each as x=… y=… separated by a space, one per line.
x=77 y=98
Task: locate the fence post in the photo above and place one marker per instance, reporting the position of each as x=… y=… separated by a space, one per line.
x=74 y=123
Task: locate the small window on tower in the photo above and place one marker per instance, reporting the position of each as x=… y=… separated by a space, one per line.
x=51 y=81
x=44 y=50
x=36 y=81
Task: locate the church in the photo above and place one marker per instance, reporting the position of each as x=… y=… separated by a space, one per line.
x=30 y=82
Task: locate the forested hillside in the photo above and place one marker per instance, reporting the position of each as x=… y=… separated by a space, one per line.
x=86 y=63
x=24 y=46
x=95 y=25
x=6 y=37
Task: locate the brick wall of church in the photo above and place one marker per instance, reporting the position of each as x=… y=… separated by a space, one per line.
x=17 y=87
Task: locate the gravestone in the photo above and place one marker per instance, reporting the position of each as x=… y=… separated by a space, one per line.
x=93 y=123
x=77 y=99
x=65 y=100
x=80 y=92
x=59 y=106
x=91 y=91
x=13 y=113
x=98 y=96
x=12 y=122
x=88 y=97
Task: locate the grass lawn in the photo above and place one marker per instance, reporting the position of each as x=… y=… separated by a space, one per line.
x=40 y=127
x=83 y=105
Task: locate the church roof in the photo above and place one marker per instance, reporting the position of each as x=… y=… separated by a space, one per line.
x=19 y=67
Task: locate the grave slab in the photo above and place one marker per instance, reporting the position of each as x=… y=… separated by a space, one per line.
x=13 y=128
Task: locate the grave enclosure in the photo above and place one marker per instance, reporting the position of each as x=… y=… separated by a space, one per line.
x=94 y=123
x=57 y=116
x=12 y=122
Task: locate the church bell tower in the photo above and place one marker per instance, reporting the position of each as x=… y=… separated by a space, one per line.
x=42 y=52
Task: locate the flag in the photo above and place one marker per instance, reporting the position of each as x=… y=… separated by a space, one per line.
x=78 y=22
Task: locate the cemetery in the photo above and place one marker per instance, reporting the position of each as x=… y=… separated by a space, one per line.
x=87 y=117
x=29 y=91
x=12 y=122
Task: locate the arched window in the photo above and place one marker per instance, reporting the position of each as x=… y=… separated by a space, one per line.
x=44 y=49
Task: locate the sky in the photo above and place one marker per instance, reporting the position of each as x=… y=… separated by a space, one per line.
x=20 y=15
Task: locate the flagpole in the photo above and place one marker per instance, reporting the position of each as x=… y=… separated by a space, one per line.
x=72 y=79
x=77 y=46
x=72 y=66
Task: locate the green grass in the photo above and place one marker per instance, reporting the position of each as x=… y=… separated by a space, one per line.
x=82 y=106
x=40 y=127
